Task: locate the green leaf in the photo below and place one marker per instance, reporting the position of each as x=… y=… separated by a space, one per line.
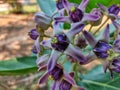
x=92 y=3
x=96 y=79
x=18 y=66
x=47 y=6
x=66 y=26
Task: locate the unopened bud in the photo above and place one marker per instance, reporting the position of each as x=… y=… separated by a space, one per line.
x=42 y=20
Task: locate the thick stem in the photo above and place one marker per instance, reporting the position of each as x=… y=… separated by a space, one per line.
x=75 y=69
x=90 y=28
x=41 y=35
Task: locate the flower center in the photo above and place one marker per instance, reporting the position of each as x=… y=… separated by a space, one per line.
x=102 y=49
x=114 y=9
x=56 y=73
x=72 y=9
x=64 y=85
x=76 y=14
x=54 y=40
x=60 y=42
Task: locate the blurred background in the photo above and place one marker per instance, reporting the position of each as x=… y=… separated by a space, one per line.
x=16 y=19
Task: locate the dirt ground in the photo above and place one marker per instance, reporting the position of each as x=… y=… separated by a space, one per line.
x=15 y=42
x=14 y=39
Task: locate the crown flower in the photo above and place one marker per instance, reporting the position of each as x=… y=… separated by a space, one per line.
x=76 y=13
x=62 y=53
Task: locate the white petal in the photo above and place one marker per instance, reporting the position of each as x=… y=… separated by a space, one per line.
x=42 y=59
x=83 y=4
x=46 y=43
x=53 y=59
x=75 y=29
x=57 y=28
x=75 y=52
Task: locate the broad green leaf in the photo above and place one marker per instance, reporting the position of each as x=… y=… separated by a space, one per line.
x=18 y=66
x=92 y=3
x=96 y=79
x=47 y=6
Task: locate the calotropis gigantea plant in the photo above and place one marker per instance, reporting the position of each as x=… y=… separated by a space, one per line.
x=75 y=42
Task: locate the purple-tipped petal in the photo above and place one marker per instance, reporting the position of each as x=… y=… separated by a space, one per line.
x=66 y=5
x=116 y=45
x=42 y=59
x=68 y=78
x=76 y=28
x=59 y=5
x=113 y=17
x=89 y=37
x=105 y=65
x=83 y=4
x=75 y=53
x=63 y=19
x=102 y=7
x=44 y=78
x=90 y=57
x=55 y=85
x=43 y=67
x=46 y=43
x=42 y=20
x=106 y=33
x=117 y=25
x=57 y=28
x=53 y=60
x=37 y=45
x=61 y=12
x=90 y=17
x=42 y=17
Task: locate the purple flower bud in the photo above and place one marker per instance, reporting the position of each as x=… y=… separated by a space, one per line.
x=116 y=65
x=76 y=14
x=33 y=34
x=64 y=85
x=117 y=45
x=114 y=9
x=60 y=42
x=34 y=50
x=42 y=20
x=59 y=4
x=98 y=12
x=57 y=72
x=101 y=49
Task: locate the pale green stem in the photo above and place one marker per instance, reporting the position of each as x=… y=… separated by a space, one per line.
x=75 y=69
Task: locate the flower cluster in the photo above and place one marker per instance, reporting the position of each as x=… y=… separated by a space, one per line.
x=71 y=43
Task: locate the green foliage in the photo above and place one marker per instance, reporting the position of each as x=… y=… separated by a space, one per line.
x=96 y=79
x=67 y=26
x=47 y=6
x=92 y=3
x=18 y=66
